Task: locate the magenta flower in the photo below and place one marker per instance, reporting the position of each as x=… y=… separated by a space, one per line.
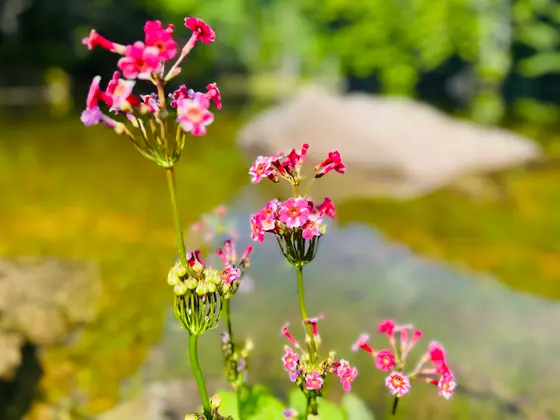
x=230 y=274
x=385 y=360
x=437 y=356
x=261 y=169
x=201 y=30
x=161 y=38
x=295 y=160
x=193 y=115
x=314 y=381
x=387 y=327
x=362 y=343
x=91 y=116
x=446 y=385
x=139 y=61
x=294 y=212
x=347 y=378
x=213 y=93
x=257 y=232
x=327 y=208
x=122 y=91
x=96 y=40
x=290 y=359
x=398 y=384
x=313 y=226
x=332 y=162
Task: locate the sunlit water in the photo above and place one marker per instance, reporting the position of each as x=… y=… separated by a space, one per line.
x=86 y=194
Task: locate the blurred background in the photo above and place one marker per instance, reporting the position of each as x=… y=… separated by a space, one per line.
x=448 y=216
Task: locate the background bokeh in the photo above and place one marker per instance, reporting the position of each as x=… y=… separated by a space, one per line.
x=479 y=272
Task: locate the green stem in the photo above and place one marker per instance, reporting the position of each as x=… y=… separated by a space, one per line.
x=199 y=378
x=303 y=310
x=174 y=207
x=232 y=341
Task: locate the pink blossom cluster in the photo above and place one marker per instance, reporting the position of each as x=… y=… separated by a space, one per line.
x=312 y=374
x=231 y=272
x=288 y=166
x=146 y=60
x=293 y=214
x=393 y=360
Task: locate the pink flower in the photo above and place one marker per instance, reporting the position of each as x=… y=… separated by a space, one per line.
x=193 y=115
x=295 y=160
x=446 y=385
x=385 y=360
x=180 y=93
x=139 y=61
x=294 y=212
x=437 y=356
x=313 y=227
x=327 y=208
x=341 y=367
x=333 y=161
x=387 y=327
x=96 y=40
x=161 y=38
x=406 y=344
x=362 y=343
x=214 y=95
x=201 y=30
x=261 y=169
x=348 y=377
x=268 y=215
x=288 y=335
x=257 y=232
x=290 y=359
x=398 y=384
x=230 y=274
x=121 y=93
x=91 y=116
x=313 y=381
x=152 y=101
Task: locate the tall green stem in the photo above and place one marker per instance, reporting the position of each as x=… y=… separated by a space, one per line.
x=303 y=310
x=237 y=389
x=175 y=209
x=199 y=378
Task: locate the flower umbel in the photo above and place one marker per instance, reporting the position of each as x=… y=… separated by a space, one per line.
x=398 y=382
x=157 y=128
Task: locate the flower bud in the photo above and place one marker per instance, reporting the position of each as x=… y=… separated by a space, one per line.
x=172 y=279
x=201 y=289
x=211 y=287
x=191 y=283
x=197 y=267
x=212 y=276
x=191 y=417
x=180 y=289
x=215 y=402
x=180 y=270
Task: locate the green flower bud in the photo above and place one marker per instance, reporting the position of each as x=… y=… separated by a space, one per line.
x=172 y=279
x=191 y=417
x=180 y=270
x=197 y=267
x=211 y=287
x=180 y=289
x=212 y=276
x=191 y=283
x=201 y=289
x=215 y=402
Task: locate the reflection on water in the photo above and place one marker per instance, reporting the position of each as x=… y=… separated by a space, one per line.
x=86 y=194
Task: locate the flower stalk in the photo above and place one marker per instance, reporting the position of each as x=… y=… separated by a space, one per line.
x=304 y=316
x=198 y=376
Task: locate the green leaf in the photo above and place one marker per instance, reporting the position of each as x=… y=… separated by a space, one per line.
x=355 y=408
x=327 y=409
x=257 y=404
x=540 y=64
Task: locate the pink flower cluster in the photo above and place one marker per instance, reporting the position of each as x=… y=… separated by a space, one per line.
x=288 y=166
x=312 y=375
x=294 y=213
x=394 y=360
x=145 y=60
x=231 y=272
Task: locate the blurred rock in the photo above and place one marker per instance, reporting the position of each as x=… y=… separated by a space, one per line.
x=41 y=302
x=393 y=147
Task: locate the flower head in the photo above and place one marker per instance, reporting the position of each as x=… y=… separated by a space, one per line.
x=446 y=385
x=332 y=162
x=261 y=169
x=385 y=360
x=398 y=384
x=294 y=212
x=96 y=40
x=161 y=38
x=362 y=343
x=200 y=29
x=193 y=115
x=314 y=381
x=290 y=359
x=213 y=93
x=91 y=116
x=139 y=61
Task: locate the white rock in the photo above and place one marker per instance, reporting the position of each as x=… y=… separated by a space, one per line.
x=393 y=147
